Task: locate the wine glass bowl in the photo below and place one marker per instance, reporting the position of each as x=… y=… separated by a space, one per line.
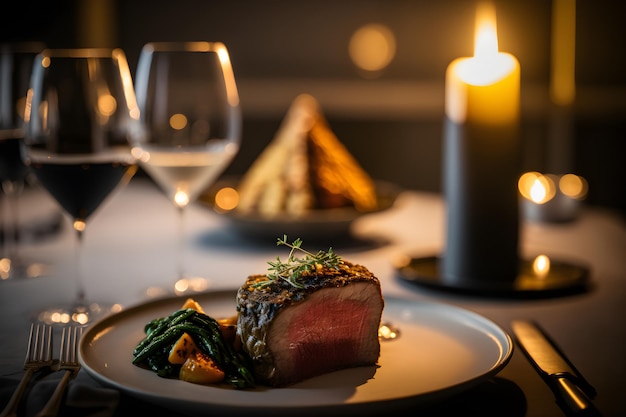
x=16 y=63
x=81 y=110
x=190 y=125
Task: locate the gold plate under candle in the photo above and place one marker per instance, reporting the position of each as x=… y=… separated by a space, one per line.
x=560 y=279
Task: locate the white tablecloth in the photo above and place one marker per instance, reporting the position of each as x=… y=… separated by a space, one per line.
x=132 y=240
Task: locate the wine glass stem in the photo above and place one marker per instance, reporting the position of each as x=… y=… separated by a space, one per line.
x=80 y=288
x=181 y=242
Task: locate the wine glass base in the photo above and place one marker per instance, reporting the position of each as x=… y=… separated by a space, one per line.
x=183 y=286
x=76 y=314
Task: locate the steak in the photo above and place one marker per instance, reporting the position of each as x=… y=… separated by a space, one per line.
x=293 y=333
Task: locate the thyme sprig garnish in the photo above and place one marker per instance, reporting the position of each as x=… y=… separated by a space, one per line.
x=292 y=270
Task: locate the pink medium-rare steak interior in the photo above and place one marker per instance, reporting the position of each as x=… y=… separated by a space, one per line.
x=330 y=322
x=333 y=328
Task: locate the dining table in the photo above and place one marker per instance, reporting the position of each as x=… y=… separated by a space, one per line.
x=131 y=244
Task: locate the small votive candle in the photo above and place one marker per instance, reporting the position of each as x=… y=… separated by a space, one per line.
x=551 y=198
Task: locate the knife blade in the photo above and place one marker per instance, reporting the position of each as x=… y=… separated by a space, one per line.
x=573 y=392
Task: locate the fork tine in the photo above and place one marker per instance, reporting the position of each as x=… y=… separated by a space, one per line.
x=69 y=343
x=38 y=355
x=48 y=355
x=32 y=336
x=73 y=344
x=78 y=332
x=68 y=363
x=39 y=343
x=63 y=344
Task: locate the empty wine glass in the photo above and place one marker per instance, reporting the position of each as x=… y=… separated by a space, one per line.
x=190 y=127
x=81 y=109
x=16 y=63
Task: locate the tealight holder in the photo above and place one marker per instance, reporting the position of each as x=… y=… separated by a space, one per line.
x=550 y=198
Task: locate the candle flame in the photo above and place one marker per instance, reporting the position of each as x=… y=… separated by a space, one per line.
x=488 y=65
x=484 y=88
x=536 y=187
x=538 y=192
x=541 y=266
x=486 y=38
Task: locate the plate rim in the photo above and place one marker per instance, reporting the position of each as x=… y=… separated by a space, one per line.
x=497 y=364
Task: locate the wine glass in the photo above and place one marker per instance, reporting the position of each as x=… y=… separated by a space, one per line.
x=190 y=127
x=81 y=109
x=16 y=63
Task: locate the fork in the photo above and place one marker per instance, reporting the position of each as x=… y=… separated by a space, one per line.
x=38 y=357
x=68 y=362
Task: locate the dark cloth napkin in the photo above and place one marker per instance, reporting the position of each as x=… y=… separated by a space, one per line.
x=84 y=397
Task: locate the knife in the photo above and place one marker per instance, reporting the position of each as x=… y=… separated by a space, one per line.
x=572 y=391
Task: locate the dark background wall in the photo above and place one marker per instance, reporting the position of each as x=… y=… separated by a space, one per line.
x=391 y=123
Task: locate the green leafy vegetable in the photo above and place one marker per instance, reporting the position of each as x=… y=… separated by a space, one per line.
x=163 y=332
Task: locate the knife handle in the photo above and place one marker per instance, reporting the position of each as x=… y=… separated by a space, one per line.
x=573 y=399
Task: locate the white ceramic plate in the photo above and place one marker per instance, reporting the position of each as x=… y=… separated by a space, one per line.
x=441 y=351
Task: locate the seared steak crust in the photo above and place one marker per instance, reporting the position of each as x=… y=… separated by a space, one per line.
x=295 y=333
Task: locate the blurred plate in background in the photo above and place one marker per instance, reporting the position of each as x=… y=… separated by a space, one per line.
x=314 y=225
